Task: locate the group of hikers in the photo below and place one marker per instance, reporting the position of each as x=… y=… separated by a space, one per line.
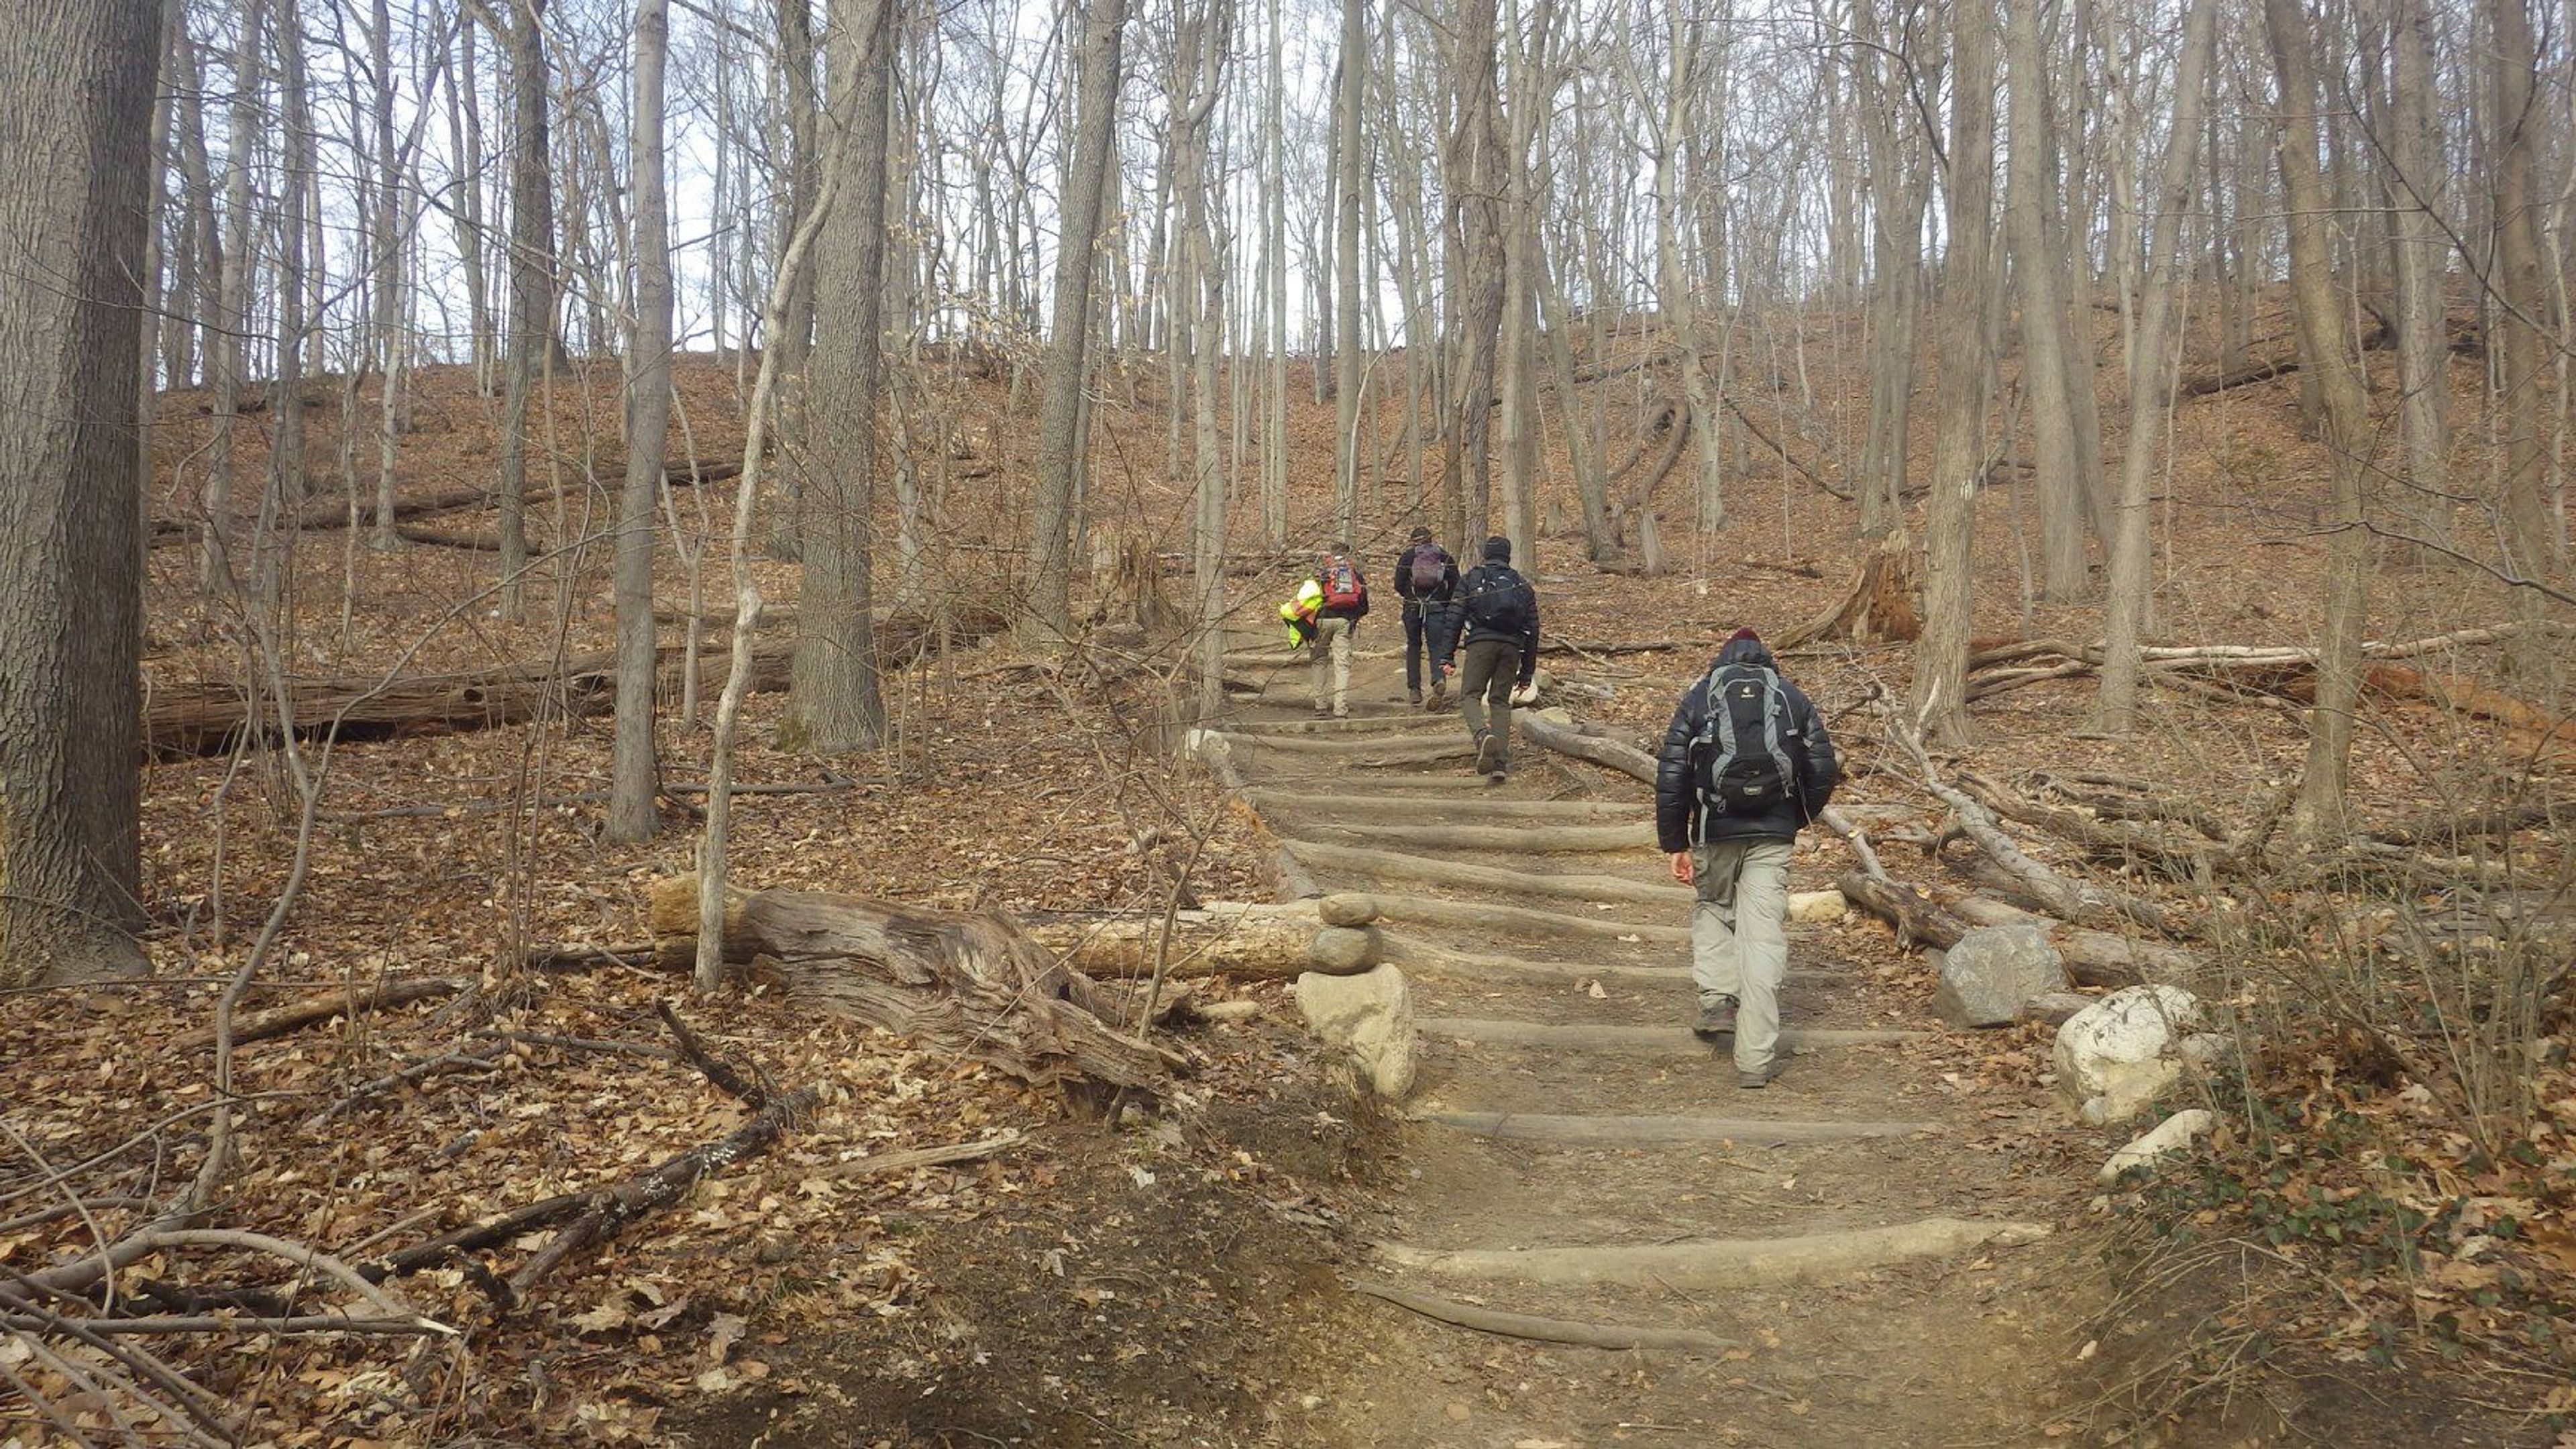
x=1745 y=764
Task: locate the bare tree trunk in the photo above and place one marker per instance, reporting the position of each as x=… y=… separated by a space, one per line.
x=2115 y=709
x=2327 y=347
x=634 y=772
x=286 y=390
x=1351 y=185
x=76 y=89
x=1959 y=449
x=1050 y=616
x=834 y=704
x=232 y=306
x=2423 y=254
x=1475 y=187
x=795 y=339
x=1205 y=40
x=2048 y=374
x=2523 y=333
x=532 y=282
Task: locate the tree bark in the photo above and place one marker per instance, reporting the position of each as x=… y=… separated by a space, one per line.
x=2423 y=255
x=634 y=771
x=2115 y=709
x=1050 y=619
x=1351 y=186
x=2327 y=346
x=795 y=338
x=2525 y=346
x=835 y=706
x=1959 y=450
x=532 y=282
x=76 y=88
x=2049 y=375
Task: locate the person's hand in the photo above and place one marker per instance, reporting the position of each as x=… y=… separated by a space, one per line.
x=1682 y=866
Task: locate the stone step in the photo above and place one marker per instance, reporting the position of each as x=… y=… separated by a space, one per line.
x=1648 y=1130
x=1716 y=1263
x=1668 y=1041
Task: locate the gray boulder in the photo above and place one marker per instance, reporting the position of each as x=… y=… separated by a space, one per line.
x=1992 y=971
x=1345 y=950
x=1371 y=1017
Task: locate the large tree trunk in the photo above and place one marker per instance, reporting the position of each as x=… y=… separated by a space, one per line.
x=232 y=302
x=634 y=773
x=2423 y=255
x=1050 y=617
x=795 y=339
x=1351 y=185
x=2327 y=345
x=532 y=282
x=835 y=706
x=76 y=86
x=2049 y=375
x=1959 y=450
x=2116 y=708
x=2524 y=351
x=1474 y=168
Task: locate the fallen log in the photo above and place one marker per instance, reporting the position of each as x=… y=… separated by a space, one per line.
x=1255 y=941
x=336 y=514
x=1556 y=730
x=352 y=1002
x=2094 y=958
x=206 y=717
x=970 y=984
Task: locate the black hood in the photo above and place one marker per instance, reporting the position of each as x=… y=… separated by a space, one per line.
x=1747 y=650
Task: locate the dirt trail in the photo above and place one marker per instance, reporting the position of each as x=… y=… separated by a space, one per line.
x=1868 y=1268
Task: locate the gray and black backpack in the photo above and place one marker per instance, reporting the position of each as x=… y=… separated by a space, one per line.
x=1744 y=759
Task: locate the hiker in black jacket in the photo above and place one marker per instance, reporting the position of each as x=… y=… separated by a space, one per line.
x=1426 y=576
x=1497 y=612
x=1742 y=772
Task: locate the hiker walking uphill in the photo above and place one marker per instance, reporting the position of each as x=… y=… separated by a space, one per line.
x=1323 y=616
x=1745 y=765
x=1497 y=615
x=1427 y=577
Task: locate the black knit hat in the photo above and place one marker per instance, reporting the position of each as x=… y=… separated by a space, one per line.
x=1499 y=547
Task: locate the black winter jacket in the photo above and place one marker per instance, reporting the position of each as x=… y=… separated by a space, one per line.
x=1448 y=574
x=1461 y=630
x=1678 y=822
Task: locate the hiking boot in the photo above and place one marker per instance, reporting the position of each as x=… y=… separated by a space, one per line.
x=1415 y=696
x=1439 y=694
x=1489 y=756
x=1716 y=1019
x=1756 y=1081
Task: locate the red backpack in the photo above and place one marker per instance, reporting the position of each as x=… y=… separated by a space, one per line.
x=1342 y=586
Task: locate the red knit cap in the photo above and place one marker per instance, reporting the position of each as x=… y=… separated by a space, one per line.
x=1742 y=634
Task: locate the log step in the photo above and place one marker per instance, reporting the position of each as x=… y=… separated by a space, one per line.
x=1720 y=1262
x=1396 y=865
x=1674 y=1041
x=1486 y=808
x=1388 y=725
x=1518 y=839
x=1484 y=915
x=1384 y=746
x=1624 y=1131
x=1427 y=959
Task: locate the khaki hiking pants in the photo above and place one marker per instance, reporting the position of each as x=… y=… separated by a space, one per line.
x=1330 y=654
x=1740 y=937
x=1485 y=678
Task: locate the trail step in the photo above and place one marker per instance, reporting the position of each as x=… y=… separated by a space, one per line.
x=1385 y=747
x=1720 y=1262
x=1552 y=812
x=1429 y=959
x=1622 y=1131
x=1636 y=1040
x=1389 y=725
x=1486 y=915
x=1396 y=865
x=1527 y=839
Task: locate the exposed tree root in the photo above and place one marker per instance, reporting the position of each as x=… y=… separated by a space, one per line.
x=1544 y=1330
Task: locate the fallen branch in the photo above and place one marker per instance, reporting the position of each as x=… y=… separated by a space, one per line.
x=1544 y=1330
x=884 y=1163
x=352 y=1002
x=336 y=514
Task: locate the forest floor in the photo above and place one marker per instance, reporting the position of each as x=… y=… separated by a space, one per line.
x=1179 y=1275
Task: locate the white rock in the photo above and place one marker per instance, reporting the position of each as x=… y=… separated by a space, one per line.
x=2122 y=1052
x=1369 y=1015
x=2171 y=1135
x=1824 y=905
